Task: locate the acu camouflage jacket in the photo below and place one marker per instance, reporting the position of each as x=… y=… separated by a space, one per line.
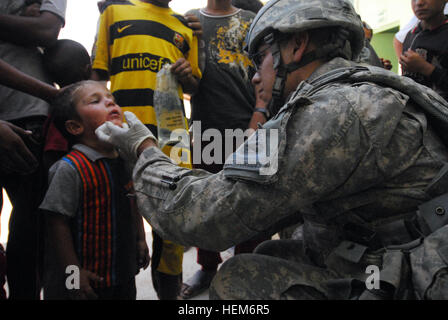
x=348 y=153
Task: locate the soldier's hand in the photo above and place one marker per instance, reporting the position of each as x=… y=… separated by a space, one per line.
x=15 y=157
x=126 y=139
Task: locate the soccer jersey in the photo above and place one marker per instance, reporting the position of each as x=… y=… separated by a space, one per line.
x=135 y=40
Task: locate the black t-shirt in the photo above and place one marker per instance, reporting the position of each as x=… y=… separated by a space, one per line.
x=225 y=99
x=433 y=46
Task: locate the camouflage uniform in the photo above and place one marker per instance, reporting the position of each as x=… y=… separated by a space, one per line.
x=353 y=157
x=349 y=155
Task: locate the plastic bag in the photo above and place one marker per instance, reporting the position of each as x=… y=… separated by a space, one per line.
x=172 y=129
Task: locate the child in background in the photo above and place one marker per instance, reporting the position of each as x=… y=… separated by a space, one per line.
x=425 y=49
x=91 y=220
x=66 y=62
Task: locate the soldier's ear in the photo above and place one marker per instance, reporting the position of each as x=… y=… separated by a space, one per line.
x=300 y=44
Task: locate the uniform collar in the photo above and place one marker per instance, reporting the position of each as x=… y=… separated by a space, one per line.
x=333 y=64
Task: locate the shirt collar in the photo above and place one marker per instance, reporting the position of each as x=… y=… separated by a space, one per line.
x=419 y=28
x=90 y=153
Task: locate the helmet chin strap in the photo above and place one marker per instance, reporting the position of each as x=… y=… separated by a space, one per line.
x=335 y=48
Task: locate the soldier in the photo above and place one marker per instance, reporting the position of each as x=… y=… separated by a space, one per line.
x=356 y=157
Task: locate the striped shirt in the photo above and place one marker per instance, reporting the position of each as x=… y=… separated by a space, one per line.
x=135 y=40
x=103 y=229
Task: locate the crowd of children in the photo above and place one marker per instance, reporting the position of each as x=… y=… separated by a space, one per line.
x=72 y=195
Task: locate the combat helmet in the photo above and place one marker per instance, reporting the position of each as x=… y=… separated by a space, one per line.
x=280 y=17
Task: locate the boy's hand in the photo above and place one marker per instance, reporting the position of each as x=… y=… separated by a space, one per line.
x=182 y=69
x=194 y=24
x=85 y=291
x=386 y=64
x=184 y=74
x=413 y=62
x=143 y=257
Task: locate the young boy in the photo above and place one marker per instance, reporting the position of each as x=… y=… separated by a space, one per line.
x=91 y=219
x=135 y=39
x=425 y=49
x=66 y=62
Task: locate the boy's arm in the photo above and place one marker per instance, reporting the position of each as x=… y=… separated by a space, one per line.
x=61 y=237
x=36 y=31
x=100 y=65
x=99 y=75
x=143 y=257
x=16 y=79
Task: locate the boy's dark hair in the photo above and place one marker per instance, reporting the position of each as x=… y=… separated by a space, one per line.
x=63 y=108
x=67 y=62
x=251 y=5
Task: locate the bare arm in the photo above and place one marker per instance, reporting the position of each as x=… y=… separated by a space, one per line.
x=60 y=234
x=37 y=31
x=143 y=257
x=99 y=75
x=16 y=79
x=398 y=46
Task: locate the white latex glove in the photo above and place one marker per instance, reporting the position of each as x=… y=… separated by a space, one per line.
x=126 y=139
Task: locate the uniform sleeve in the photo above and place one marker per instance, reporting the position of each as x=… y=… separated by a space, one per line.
x=64 y=191
x=102 y=43
x=215 y=211
x=58 y=7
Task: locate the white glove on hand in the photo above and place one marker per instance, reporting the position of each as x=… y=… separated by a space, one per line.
x=126 y=139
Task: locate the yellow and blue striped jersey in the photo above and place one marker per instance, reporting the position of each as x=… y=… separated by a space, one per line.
x=135 y=40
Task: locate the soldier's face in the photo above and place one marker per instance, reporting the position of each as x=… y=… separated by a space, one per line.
x=264 y=78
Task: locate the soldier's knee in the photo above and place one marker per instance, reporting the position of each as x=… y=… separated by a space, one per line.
x=228 y=282
x=284 y=249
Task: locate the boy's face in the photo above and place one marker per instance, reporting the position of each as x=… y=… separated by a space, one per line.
x=427 y=9
x=95 y=105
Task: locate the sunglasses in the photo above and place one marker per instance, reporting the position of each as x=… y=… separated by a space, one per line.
x=257 y=58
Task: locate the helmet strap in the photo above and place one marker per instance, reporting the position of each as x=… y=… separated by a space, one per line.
x=334 y=49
